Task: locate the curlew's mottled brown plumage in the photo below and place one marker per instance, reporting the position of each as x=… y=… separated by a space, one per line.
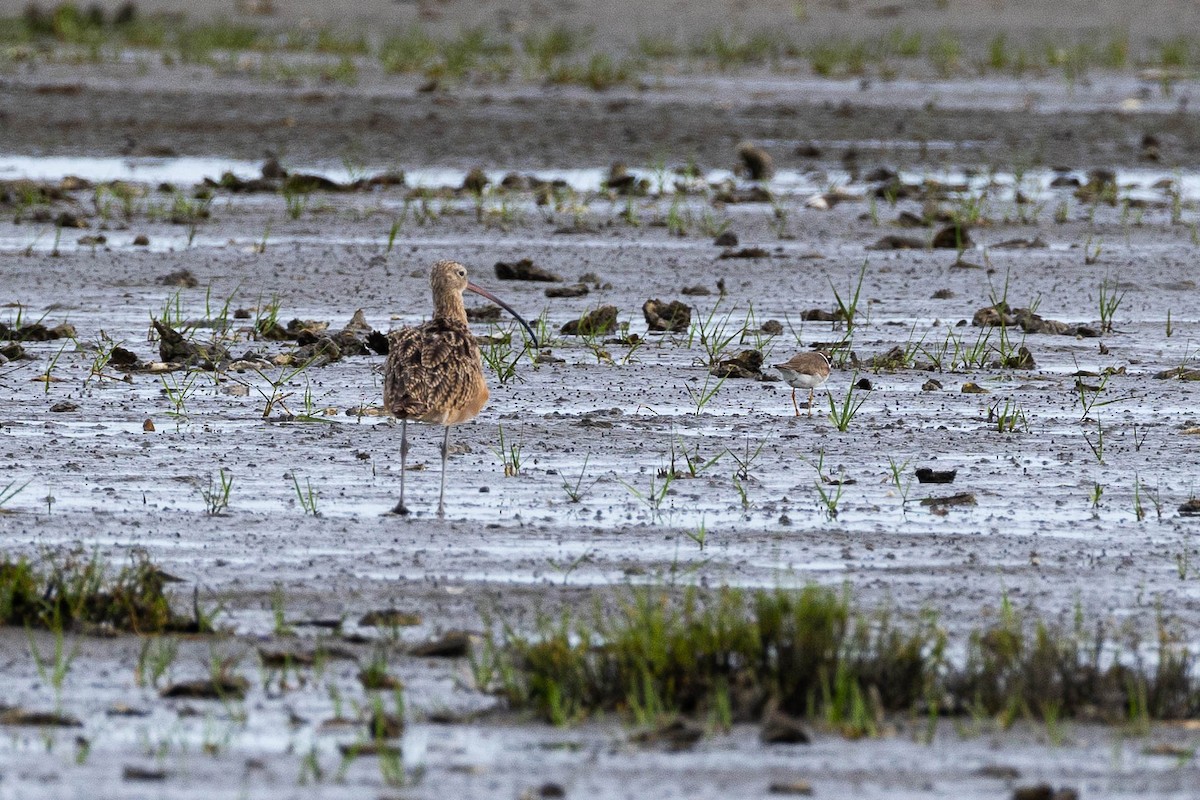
x=805 y=371
x=433 y=371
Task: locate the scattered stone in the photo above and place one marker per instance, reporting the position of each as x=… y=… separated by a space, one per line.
x=745 y=252
x=962 y=264
x=452 y=644
x=488 y=313
x=1035 y=243
x=931 y=385
x=746 y=364
x=807 y=150
x=726 y=239
x=123 y=359
x=864 y=385
x=756 y=162
x=389 y=618
x=970 y=387
x=281 y=659
x=772 y=327
x=1182 y=373
x=12 y=351
x=678 y=734
x=574 y=290
x=728 y=193
x=952 y=237
x=601 y=321
x=931 y=475
x=378 y=680
x=1040 y=791
x=960 y=499
x=64 y=406
x=272 y=169
x=792 y=787
x=182 y=278
x=895 y=242
x=384 y=725
x=998 y=771
x=551 y=790
x=92 y=241
x=781 y=728
x=68 y=220
x=173 y=347
x=225 y=687
x=827 y=200
x=1065 y=182
x=1023 y=359
x=695 y=291
x=148 y=425
x=907 y=219
x=1191 y=508
x=131 y=772
x=943 y=294
x=622 y=182
x=39 y=719
x=893 y=359
x=524 y=270
x=672 y=317
x=821 y=315
x=302 y=183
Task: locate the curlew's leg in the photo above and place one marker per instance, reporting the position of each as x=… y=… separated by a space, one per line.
x=400 y=507
x=810 y=401
x=445 y=454
x=794 y=403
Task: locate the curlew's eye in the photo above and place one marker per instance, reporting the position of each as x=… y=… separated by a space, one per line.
x=462 y=273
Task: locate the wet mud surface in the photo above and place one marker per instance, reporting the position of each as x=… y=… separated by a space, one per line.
x=609 y=460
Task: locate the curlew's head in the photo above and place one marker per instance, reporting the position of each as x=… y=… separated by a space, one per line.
x=448 y=279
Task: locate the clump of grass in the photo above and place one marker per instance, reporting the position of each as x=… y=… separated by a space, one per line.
x=682 y=657
x=68 y=591
x=811 y=653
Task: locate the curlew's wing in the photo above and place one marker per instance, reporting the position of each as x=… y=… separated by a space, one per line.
x=432 y=371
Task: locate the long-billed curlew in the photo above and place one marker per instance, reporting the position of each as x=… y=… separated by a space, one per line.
x=805 y=371
x=434 y=372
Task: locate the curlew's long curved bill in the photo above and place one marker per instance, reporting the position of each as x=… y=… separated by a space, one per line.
x=479 y=290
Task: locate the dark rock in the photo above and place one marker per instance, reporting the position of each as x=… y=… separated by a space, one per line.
x=952 y=237
x=12 y=351
x=272 y=169
x=378 y=342
x=673 y=317
x=931 y=475
x=488 y=313
x=141 y=240
x=1065 y=182
x=551 y=790
x=1023 y=359
x=726 y=239
x=864 y=385
x=677 y=734
x=389 y=618
x=172 y=346
x=745 y=252
x=695 y=291
x=453 y=644
x=1191 y=508
x=1035 y=243
x=756 y=162
x=132 y=772
x=943 y=294
x=182 y=278
x=524 y=270
x=319 y=353
x=807 y=150
x=746 y=364
x=622 y=182
x=1040 y=791
x=880 y=174
x=821 y=315
x=40 y=719
x=895 y=242
x=601 y=321
x=64 y=406
x=781 y=728
x=300 y=183
x=573 y=290
x=931 y=385
x=383 y=725
x=730 y=194
x=960 y=499
x=772 y=327
x=907 y=219
x=796 y=787
x=892 y=359
x=225 y=687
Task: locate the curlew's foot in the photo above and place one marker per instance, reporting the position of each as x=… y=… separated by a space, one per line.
x=400 y=510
